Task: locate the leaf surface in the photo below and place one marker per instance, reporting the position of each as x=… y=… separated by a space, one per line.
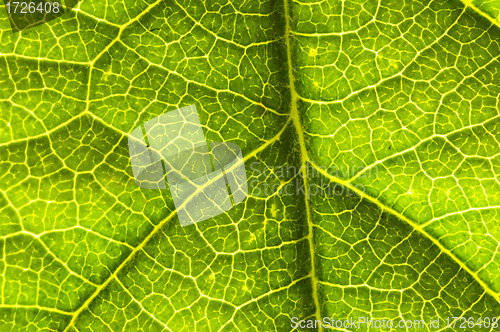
x=393 y=108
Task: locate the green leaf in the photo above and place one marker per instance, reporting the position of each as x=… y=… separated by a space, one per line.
x=488 y=8
x=370 y=133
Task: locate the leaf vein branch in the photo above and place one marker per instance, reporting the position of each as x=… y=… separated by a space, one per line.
x=414 y=225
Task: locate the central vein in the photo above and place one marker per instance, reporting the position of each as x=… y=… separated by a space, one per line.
x=294 y=114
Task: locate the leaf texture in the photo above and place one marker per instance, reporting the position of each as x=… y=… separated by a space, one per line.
x=393 y=106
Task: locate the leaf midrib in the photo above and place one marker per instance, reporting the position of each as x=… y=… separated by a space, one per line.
x=294 y=115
